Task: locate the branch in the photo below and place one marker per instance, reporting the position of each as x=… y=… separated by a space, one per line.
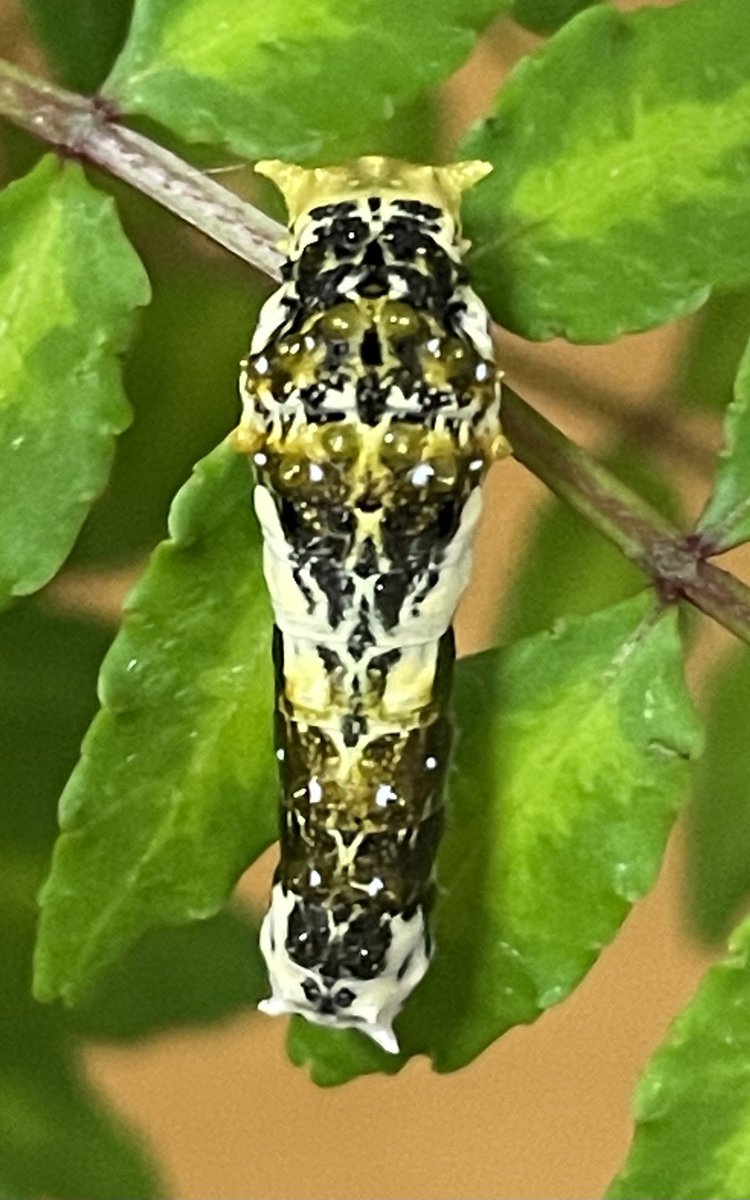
x=87 y=129
x=675 y=562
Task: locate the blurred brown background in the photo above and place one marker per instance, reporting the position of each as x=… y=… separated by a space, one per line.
x=545 y=1111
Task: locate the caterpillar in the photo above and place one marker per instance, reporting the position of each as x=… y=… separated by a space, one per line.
x=371 y=413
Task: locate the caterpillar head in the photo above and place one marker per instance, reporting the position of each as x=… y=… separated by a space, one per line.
x=348 y=969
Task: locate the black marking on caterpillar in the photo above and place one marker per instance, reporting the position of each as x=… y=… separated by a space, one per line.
x=371 y=412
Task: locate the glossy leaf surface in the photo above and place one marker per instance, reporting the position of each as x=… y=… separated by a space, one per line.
x=621 y=151
x=69 y=281
x=175 y=793
x=312 y=80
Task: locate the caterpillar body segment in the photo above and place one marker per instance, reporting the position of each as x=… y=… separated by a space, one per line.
x=371 y=414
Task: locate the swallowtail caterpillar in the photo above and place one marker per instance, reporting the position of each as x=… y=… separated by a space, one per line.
x=371 y=414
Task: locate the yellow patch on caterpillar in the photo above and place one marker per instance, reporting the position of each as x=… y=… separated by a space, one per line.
x=304 y=188
x=307 y=683
x=410 y=684
x=499 y=447
x=247 y=437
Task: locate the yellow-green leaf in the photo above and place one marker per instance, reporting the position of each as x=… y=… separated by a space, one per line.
x=313 y=79
x=621 y=153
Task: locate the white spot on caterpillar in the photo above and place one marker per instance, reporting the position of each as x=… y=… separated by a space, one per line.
x=421 y=475
x=384 y=795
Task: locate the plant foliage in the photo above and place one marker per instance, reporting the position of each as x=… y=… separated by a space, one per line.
x=618 y=201
x=69 y=281
x=621 y=208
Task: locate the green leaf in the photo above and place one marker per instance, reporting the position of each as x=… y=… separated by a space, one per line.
x=56 y=1138
x=81 y=38
x=545 y=16
x=621 y=153
x=186 y=975
x=309 y=80
x=692 y=1107
x=570 y=764
x=718 y=337
x=569 y=567
x=68 y=282
x=175 y=793
x=725 y=521
x=719 y=825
